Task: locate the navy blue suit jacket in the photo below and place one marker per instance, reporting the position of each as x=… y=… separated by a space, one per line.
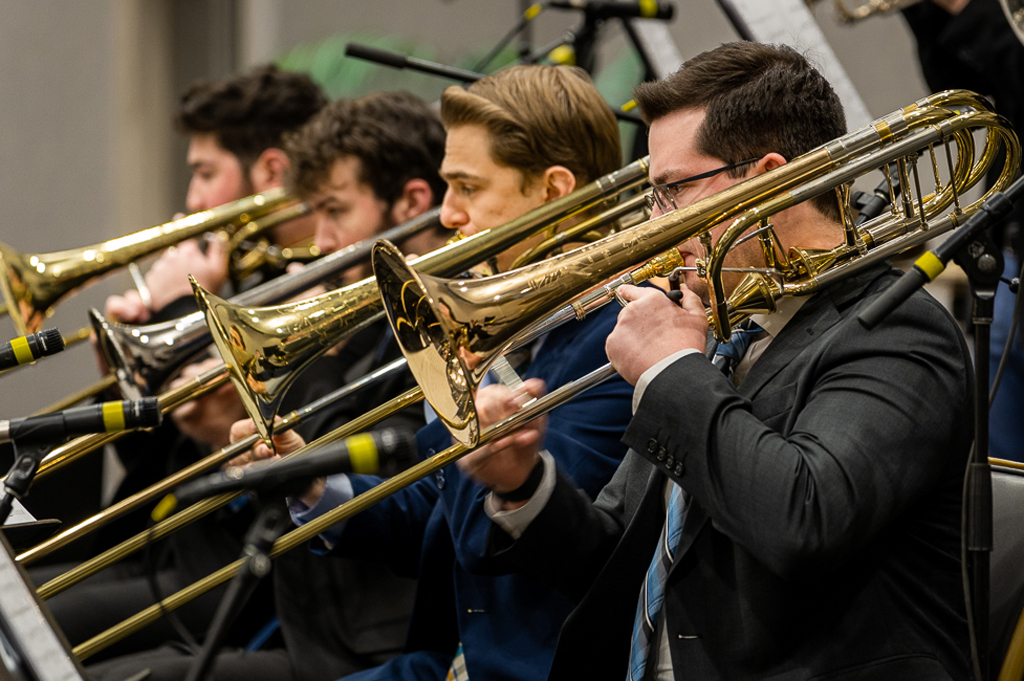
x=437 y=530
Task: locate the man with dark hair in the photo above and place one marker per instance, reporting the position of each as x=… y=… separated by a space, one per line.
x=380 y=151
x=339 y=616
x=792 y=513
x=235 y=129
x=486 y=626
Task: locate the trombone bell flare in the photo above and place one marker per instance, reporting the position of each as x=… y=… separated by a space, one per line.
x=423 y=338
x=235 y=350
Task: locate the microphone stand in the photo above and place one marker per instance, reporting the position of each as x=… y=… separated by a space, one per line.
x=270 y=524
x=19 y=478
x=972 y=248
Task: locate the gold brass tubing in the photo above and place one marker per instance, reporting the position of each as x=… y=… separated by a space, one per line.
x=78 y=336
x=287 y=422
x=74 y=450
x=198 y=510
x=132 y=502
x=573 y=233
x=301 y=535
x=133 y=544
x=108 y=381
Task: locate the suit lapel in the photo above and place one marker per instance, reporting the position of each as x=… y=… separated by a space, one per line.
x=816 y=317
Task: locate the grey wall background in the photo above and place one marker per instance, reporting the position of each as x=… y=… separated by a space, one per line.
x=87 y=89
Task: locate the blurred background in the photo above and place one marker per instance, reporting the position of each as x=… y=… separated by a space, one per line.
x=88 y=89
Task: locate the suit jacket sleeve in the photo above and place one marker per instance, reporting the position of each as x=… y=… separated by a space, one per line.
x=859 y=440
x=583 y=436
x=569 y=542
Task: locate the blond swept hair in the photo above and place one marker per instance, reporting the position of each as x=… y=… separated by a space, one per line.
x=540 y=116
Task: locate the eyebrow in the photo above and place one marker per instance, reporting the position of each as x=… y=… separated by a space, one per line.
x=459 y=175
x=665 y=177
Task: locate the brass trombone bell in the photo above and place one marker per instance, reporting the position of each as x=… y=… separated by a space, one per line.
x=33 y=283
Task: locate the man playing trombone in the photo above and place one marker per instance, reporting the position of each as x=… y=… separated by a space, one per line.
x=517 y=140
x=363 y=166
x=791 y=511
x=235 y=129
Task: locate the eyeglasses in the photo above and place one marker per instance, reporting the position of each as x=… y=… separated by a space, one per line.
x=664 y=195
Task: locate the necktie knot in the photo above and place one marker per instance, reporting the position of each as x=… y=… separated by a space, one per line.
x=728 y=355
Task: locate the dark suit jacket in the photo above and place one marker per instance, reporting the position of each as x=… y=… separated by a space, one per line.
x=822 y=539
x=437 y=530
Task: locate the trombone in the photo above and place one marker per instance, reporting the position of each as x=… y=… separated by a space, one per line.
x=32 y=284
x=897 y=136
x=452 y=330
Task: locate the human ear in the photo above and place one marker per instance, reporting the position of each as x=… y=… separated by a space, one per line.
x=769 y=162
x=269 y=170
x=415 y=199
x=558 y=182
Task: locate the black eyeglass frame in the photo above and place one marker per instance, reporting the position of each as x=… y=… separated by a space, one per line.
x=668 y=203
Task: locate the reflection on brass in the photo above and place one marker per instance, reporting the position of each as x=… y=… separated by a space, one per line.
x=450 y=330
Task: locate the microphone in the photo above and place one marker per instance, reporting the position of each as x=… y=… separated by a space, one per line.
x=400 y=61
x=618 y=9
x=26 y=349
x=106 y=417
x=871 y=205
x=383 y=452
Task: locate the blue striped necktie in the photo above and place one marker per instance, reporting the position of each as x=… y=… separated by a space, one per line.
x=652 y=593
x=728 y=355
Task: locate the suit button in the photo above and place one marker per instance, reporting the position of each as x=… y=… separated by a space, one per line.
x=439 y=478
x=652 y=446
x=662 y=453
x=679 y=468
x=670 y=461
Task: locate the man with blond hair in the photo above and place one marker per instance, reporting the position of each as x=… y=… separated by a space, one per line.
x=516 y=141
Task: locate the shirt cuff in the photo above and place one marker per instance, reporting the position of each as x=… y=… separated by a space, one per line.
x=649 y=375
x=337 y=491
x=515 y=522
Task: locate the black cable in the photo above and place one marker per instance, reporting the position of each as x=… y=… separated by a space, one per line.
x=964 y=573
x=1004 y=360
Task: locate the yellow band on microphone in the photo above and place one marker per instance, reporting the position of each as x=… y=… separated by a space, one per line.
x=362 y=453
x=113 y=417
x=930 y=265
x=648 y=8
x=22 y=351
x=532 y=11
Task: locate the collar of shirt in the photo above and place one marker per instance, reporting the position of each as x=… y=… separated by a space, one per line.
x=785 y=310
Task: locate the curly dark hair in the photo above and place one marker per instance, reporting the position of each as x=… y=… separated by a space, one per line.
x=395 y=135
x=250 y=113
x=758 y=99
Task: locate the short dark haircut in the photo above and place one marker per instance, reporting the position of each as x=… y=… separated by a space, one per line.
x=250 y=113
x=758 y=99
x=395 y=135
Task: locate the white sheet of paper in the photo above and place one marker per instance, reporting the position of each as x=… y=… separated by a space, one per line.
x=19 y=514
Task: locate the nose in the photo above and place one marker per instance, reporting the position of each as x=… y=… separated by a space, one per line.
x=323 y=236
x=453 y=216
x=195 y=199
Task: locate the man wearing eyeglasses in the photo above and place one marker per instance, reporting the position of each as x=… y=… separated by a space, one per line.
x=787 y=512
